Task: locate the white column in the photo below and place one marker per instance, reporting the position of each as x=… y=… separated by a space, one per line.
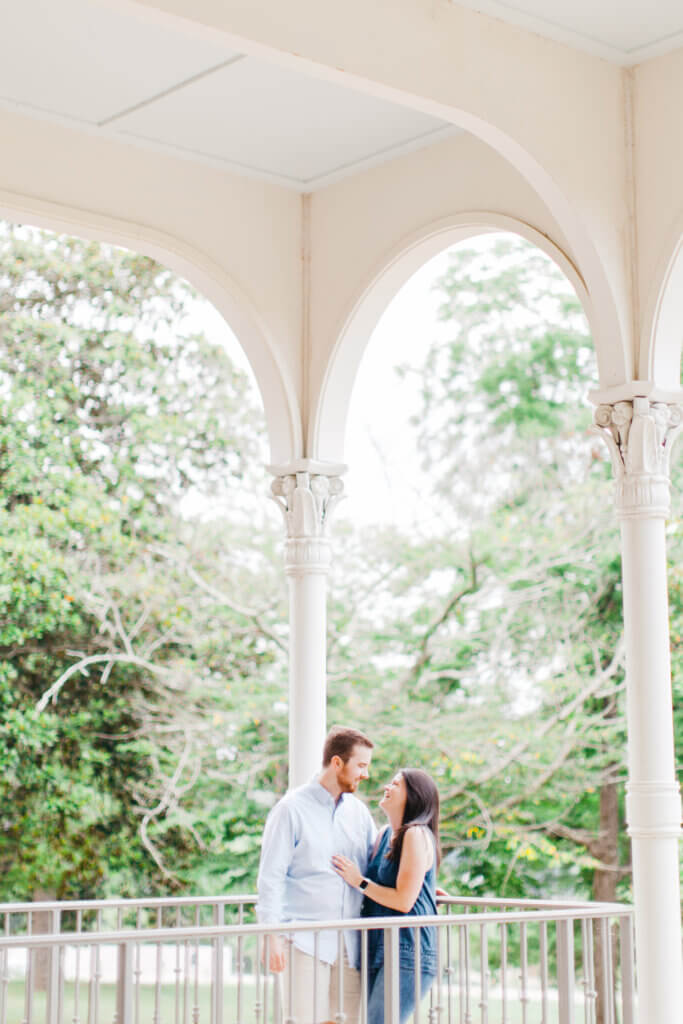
x=640 y=435
x=306 y=493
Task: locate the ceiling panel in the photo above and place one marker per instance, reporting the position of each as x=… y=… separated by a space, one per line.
x=622 y=29
x=273 y=120
x=85 y=61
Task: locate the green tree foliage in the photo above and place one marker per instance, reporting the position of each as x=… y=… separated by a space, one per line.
x=143 y=652
x=491 y=652
x=113 y=409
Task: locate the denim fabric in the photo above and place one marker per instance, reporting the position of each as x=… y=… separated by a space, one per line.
x=384 y=871
x=406 y=989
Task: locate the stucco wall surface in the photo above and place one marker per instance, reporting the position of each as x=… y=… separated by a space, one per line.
x=658 y=136
x=370 y=232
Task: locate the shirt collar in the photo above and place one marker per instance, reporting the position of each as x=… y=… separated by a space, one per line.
x=323 y=796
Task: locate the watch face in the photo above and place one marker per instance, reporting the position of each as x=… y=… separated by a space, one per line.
x=363 y=883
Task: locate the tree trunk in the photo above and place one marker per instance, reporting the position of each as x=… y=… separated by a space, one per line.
x=605 y=889
x=41 y=925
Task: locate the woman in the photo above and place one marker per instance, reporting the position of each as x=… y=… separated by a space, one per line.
x=401 y=879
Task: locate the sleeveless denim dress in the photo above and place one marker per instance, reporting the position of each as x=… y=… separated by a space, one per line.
x=385 y=872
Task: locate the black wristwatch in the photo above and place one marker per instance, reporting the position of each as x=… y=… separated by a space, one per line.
x=363 y=884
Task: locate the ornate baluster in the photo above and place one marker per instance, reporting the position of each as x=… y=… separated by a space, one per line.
x=588 y=980
x=449 y=971
x=186 y=984
x=240 y=959
x=607 y=970
x=121 y=960
x=565 y=970
x=503 y=972
x=76 y=1019
x=4 y=971
x=266 y=975
x=466 y=962
x=217 y=968
x=156 y=1016
x=137 y=973
x=28 y=988
x=627 y=971
x=97 y=972
x=177 y=970
x=195 y=1007
x=484 y=968
x=340 y=1016
x=258 y=1006
x=435 y=991
x=418 y=972
x=363 y=980
x=543 y=953
x=524 y=972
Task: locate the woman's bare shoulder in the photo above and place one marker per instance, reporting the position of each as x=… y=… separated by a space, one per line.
x=420 y=839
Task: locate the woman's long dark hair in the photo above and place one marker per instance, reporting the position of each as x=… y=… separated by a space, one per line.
x=422 y=808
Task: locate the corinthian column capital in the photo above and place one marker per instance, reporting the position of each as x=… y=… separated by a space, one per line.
x=640 y=436
x=306 y=497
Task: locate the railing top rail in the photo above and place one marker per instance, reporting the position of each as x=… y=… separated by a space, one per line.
x=197 y=932
x=152 y=903
x=483 y=901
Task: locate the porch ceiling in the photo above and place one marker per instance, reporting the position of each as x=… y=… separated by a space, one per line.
x=622 y=31
x=112 y=73
x=108 y=71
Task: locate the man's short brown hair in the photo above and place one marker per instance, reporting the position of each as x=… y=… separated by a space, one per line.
x=340 y=742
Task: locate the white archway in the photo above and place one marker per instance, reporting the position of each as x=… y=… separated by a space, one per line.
x=662 y=338
x=276 y=389
x=514 y=111
x=328 y=423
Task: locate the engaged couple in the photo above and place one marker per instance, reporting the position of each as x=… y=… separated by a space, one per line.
x=323 y=859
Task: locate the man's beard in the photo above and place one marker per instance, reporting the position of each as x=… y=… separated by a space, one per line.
x=346 y=785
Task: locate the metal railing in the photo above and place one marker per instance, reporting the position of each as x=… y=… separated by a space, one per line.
x=203 y=961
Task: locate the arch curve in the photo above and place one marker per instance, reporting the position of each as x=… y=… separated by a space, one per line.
x=662 y=337
x=328 y=424
x=276 y=389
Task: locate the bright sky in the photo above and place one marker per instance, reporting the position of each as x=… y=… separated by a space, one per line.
x=383 y=481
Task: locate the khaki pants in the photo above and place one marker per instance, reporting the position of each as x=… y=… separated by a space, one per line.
x=302 y=971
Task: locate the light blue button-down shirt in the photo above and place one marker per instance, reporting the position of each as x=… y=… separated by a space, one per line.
x=296 y=879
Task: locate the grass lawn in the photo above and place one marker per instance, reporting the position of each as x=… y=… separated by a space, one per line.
x=170 y=1014
x=15 y=1012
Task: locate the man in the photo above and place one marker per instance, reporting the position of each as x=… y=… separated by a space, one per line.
x=298 y=883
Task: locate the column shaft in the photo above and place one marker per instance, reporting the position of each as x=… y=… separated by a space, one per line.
x=306 y=494
x=653 y=805
x=307 y=673
x=640 y=435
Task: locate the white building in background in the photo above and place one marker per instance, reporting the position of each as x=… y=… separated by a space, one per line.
x=298 y=160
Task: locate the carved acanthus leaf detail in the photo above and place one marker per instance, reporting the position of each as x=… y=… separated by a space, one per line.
x=306 y=502
x=640 y=436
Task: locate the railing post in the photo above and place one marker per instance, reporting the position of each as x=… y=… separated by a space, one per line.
x=53 y=978
x=628 y=987
x=124 y=985
x=391 y=979
x=565 y=970
x=217 y=973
